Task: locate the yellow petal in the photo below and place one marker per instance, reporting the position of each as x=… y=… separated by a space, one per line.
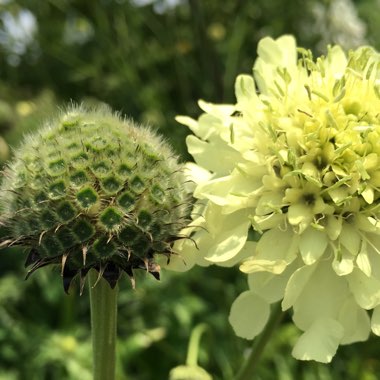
x=350 y=238
x=277 y=245
x=321 y=296
x=259 y=265
x=188 y=252
x=368 y=194
x=320 y=342
x=189 y=122
x=218 y=110
x=249 y=315
x=270 y=286
x=296 y=284
x=228 y=243
x=375 y=321
x=334 y=226
x=366 y=290
x=299 y=214
x=195 y=173
x=213 y=156
x=343 y=262
x=355 y=321
x=312 y=245
x=247 y=251
x=363 y=263
x=245 y=89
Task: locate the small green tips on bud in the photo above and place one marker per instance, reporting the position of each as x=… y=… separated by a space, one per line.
x=144 y=218
x=66 y=211
x=90 y=190
x=79 y=178
x=137 y=184
x=111 y=185
x=56 y=168
x=111 y=218
x=57 y=189
x=126 y=201
x=127 y=235
x=83 y=230
x=104 y=248
x=87 y=197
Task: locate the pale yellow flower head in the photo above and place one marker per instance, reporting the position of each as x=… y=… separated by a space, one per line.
x=296 y=160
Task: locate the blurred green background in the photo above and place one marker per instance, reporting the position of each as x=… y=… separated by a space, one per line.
x=151 y=60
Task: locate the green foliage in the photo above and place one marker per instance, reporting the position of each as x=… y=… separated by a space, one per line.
x=150 y=65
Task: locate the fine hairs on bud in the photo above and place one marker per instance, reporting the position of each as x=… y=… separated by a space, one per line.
x=93 y=190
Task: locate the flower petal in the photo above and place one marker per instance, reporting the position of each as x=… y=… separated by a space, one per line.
x=245 y=89
x=218 y=110
x=363 y=263
x=227 y=235
x=355 y=322
x=366 y=290
x=320 y=341
x=300 y=215
x=191 y=253
x=350 y=238
x=196 y=173
x=312 y=245
x=249 y=315
x=229 y=191
x=275 y=250
x=333 y=227
x=208 y=155
x=375 y=321
x=278 y=245
x=247 y=251
x=256 y=265
x=272 y=54
x=343 y=262
x=296 y=283
x=321 y=297
x=270 y=286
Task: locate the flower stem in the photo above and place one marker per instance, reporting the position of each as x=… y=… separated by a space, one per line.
x=103 y=301
x=192 y=353
x=247 y=370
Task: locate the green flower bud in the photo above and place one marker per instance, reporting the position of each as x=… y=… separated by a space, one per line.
x=186 y=372
x=90 y=190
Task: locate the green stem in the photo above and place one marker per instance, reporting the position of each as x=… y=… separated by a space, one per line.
x=248 y=368
x=103 y=302
x=192 y=352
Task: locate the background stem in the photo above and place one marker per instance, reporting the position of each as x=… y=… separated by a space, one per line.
x=247 y=370
x=193 y=349
x=103 y=302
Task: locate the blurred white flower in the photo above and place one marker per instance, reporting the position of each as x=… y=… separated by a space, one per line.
x=336 y=22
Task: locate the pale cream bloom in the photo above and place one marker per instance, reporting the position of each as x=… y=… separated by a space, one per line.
x=297 y=160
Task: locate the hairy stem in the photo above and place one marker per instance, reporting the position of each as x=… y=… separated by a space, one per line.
x=103 y=302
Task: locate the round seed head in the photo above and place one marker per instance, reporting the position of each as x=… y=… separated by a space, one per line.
x=91 y=190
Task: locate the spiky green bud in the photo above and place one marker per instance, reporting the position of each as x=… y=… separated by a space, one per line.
x=90 y=190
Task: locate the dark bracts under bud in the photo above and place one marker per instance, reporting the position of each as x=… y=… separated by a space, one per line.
x=110 y=270
x=93 y=191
